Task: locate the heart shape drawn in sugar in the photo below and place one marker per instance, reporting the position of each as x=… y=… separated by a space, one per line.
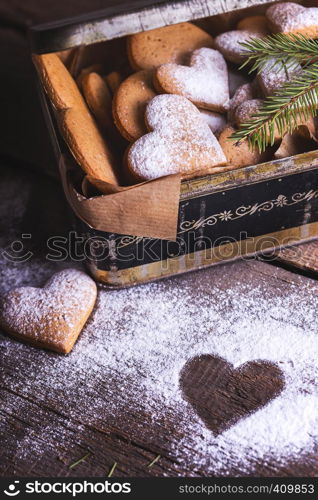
x=51 y=317
x=222 y=395
x=205 y=82
x=291 y=17
x=181 y=142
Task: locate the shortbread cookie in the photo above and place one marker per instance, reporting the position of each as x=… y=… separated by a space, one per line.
x=291 y=17
x=216 y=121
x=240 y=156
x=99 y=100
x=258 y=24
x=180 y=141
x=77 y=124
x=245 y=111
x=51 y=317
x=243 y=94
x=87 y=144
x=58 y=83
x=113 y=80
x=205 y=82
x=273 y=75
x=174 y=43
x=229 y=44
x=129 y=104
x=93 y=68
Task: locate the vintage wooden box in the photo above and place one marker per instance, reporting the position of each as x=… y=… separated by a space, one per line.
x=221 y=217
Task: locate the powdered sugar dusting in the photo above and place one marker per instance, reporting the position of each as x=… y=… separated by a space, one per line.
x=181 y=141
x=205 y=82
x=274 y=74
x=229 y=43
x=50 y=314
x=139 y=339
x=247 y=110
x=290 y=17
x=216 y=121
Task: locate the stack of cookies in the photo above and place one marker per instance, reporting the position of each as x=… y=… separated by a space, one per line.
x=176 y=106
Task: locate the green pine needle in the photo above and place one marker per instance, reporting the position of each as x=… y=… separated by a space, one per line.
x=82 y=459
x=112 y=470
x=295 y=101
x=285 y=49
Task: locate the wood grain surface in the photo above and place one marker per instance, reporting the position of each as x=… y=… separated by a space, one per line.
x=302 y=257
x=36 y=419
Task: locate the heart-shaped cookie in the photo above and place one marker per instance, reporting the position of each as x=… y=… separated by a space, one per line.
x=291 y=17
x=222 y=395
x=180 y=142
x=129 y=104
x=205 y=82
x=274 y=74
x=149 y=49
x=51 y=317
x=229 y=44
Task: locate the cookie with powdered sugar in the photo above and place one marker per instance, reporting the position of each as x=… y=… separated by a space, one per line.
x=205 y=82
x=229 y=43
x=241 y=155
x=274 y=74
x=216 y=121
x=51 y=317
x=180 y=142
x=293 y=18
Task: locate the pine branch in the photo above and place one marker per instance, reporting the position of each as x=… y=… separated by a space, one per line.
x=285 y=49
x=282 y=112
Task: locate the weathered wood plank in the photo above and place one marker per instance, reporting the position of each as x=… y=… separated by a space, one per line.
x=303 y=257
x=49 y=421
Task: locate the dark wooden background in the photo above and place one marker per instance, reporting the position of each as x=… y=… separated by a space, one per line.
x=137 y=440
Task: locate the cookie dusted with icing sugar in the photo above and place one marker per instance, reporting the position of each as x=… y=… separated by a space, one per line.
x=205 y=82
x=129 y=104
x=240 y=155
x=174 y=43
x=180 y=142
x=246 y=110
x=274 y=74
x=216 y=121
x=242 y=94
x=51 y=317
x=291 y=17
x=229 y=44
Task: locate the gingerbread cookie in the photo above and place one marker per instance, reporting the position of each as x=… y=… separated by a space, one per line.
x=129 y=104
x=274 y=74
x=291 y=17
x=99 y=100
x=58 y=83
x=77 y=124
x=229 y=44
x=204 y=82
x=242 y=94
x=258 y=24
x=246 y=110
x=180 y=141
x=113 y=80
x=51 y=317
x=150 y=49
x=216 y=121
x=241 y=156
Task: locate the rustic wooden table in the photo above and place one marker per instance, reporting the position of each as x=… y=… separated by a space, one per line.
x=104 y=409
